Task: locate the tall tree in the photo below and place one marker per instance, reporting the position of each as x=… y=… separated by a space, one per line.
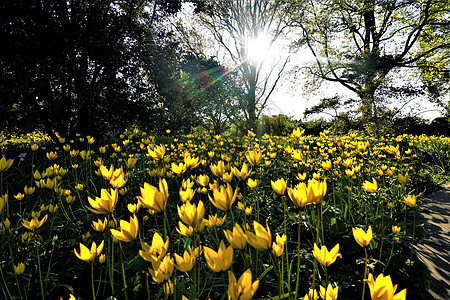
x=359 y=44
x=236 y=25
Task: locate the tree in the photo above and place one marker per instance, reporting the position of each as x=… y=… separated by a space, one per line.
x=360 y=44
x=68 y=65
x=235 y=24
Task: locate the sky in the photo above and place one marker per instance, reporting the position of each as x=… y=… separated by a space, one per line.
x=290 y=98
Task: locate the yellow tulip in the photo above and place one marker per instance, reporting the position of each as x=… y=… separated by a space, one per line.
x=52 y=155
x=237 y=237
x=243 y=289
x=192 y=214
x=260 y=240
x=382 y=289
x=362 y=237
x=34 y=147
x=157 y=153
x=153 y=198
x=105 y=204
x=203 y=180
x=370 y=187
x=218 y=169
x=29 y=190
x=326 y=165
x=410 y=200
x=179 y=169
x=185 y=263
x=252 y=183
x=34 y=223
x=131 y=162
x=223 y=197
x=162 y=270
x=312 y=295
x=299 y=195
x=100 y=225
x=184 y=230
x=403 y=179
x=395 y=229
x=316 y=190
x=215 y=220
x=278 y=245
x=325 y=257
x=329 y=293
x=254 y=157
x=128 y=230
x=20 y=268
x=89 y=255
x=243 y=173
x=118 y=181
x=156 y=251
x=279 y=186
x=220 y=260
x=19 y=196
x=191 y=162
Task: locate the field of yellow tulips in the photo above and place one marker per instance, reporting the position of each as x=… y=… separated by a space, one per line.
x=136 y=216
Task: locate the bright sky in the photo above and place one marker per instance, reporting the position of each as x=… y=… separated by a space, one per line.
x=289 y=97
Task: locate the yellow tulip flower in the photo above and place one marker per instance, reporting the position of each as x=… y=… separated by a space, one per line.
x=19 y=196
x=192 y=214
x=252 y=183
x=34 y=223
x=52 y=155
x=131 y=162
x=128 y=230
x=105 y=204
x=215 y=220
x=330 y=293
x=243 y=289
x=220 y=260
x=362 y=237
x=299 y=195
x=395 y=229
x=203 y=180
x=254 y=157
x=403 y=179
x=243 y=173
x=153 y=198
x=162 y=270
x=20 y=268
x=325 y=257
x=312 y=295
x=224 y=197
x=179 y=169
x=184 y=230
x=237 y=237
x=370 y=187
x=191 y=162
x=156 y=251
x=89 y=255
x=326 y=165
x=29 y=190
x=260 y=240
x=119 y=181
x=279 y=186
x=185 y=263
x=278 y=245
x=316 y=190
x=157 y=152
x=218 y=169
x=100 y=225
x=410 y=200
x=382 y=289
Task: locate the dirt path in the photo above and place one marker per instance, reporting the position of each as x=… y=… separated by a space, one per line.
x=435 y=252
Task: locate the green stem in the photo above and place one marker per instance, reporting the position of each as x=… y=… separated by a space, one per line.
x=92 y=280
x=124 y=281
x=298 y=252
x=40 y=274
x=365 y=273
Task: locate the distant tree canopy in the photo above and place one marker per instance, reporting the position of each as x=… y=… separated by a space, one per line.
x=363 y=45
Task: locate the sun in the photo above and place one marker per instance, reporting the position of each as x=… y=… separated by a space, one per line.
x=258 y=49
